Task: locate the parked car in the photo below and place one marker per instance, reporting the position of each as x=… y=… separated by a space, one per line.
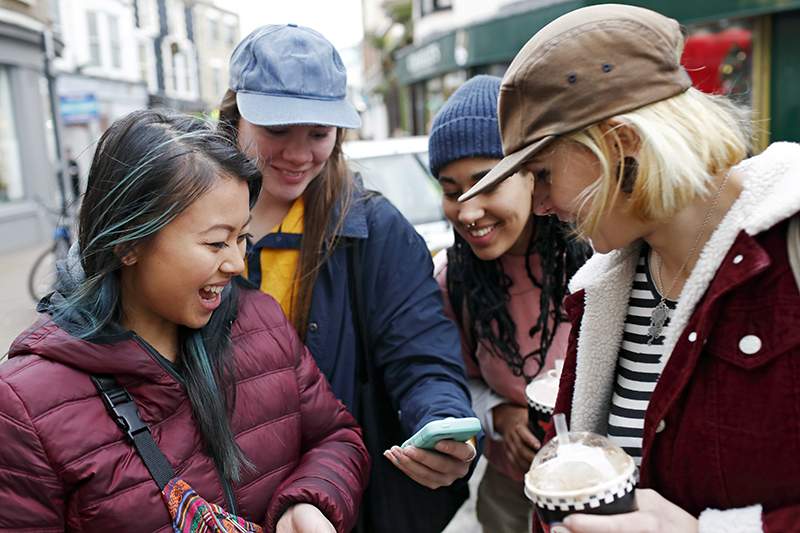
x=398 y=169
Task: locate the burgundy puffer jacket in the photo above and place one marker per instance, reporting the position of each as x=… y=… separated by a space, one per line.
x=65 y=465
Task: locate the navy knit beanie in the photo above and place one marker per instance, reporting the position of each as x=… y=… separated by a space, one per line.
x=466 y=125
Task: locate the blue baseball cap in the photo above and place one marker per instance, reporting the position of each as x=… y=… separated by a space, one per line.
x=286 y=74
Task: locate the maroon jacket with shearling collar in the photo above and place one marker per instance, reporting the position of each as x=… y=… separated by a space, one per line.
x=722 y=430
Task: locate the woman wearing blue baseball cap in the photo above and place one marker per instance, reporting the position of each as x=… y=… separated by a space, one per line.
x=351 y=274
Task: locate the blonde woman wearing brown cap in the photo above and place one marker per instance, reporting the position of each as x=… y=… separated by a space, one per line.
x=686 y=325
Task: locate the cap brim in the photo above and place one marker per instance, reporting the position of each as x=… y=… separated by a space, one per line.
x=506 y=167
x=266 y=110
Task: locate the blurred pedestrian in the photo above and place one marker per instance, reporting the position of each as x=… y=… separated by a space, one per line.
x=686 y=325
x=74 y=175
x=504 y=282
x=351 y=274
x=227 y=393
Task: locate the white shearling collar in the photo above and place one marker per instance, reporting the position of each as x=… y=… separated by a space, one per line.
x=771 y=194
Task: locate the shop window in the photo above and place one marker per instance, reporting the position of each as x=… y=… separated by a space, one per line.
x=144 y=63
x=230 y=29
x=429 y=6
x=94 y=38
x=11 y=185
x=213 y=30
x=719 y=60
x=114 y=42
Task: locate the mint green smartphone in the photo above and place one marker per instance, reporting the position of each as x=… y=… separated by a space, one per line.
x=460 y=429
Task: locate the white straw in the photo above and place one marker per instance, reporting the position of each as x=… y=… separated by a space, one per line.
x=561 y=428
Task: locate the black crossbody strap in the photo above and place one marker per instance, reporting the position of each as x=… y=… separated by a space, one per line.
x=124 y=411
x=363 y=367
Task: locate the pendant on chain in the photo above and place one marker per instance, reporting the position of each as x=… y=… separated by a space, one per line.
x=657 y=321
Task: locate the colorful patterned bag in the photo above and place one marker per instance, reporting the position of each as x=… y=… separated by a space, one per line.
x=190 y=513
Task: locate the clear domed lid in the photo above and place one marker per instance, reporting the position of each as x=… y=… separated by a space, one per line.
x=586 y=460
x=543 y=390
x=575 y=461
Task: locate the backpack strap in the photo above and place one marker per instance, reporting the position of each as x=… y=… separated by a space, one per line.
x=124 y=411
x=363 y=363
x=793 y=246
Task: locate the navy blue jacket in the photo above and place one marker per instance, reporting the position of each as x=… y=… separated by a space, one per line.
x=415 y=351
x=412 y=342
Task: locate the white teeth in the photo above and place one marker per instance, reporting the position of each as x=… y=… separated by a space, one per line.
x=214 y=288
x=481 y=232
x=291 y=174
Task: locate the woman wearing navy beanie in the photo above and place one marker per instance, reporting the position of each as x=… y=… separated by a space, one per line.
x=504 y=283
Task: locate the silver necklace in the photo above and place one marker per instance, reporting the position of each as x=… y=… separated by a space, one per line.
x=659 y=316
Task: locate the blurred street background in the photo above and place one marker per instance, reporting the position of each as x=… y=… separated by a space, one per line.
x=17 y=308
x=69 y=68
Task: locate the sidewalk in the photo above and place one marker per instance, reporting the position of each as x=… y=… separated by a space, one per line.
x=17 y=308
x=465 y=520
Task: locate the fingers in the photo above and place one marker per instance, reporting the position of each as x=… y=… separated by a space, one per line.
x=655 y=514
x=636 y=522
x=304 y=518
x=464 y=451
x=520 y=446
x=428 y=468
x=527 y=437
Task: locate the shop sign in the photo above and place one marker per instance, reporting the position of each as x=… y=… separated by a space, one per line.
x=78 y=108
x=426 y=58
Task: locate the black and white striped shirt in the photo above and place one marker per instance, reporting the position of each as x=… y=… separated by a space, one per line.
x=638 y=365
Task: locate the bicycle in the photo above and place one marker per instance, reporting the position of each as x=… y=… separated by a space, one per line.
x=43 y=275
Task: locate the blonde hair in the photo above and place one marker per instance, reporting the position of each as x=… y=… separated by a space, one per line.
x=682 y=142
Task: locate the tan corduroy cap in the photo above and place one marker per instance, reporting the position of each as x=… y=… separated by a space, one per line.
x=584 y=67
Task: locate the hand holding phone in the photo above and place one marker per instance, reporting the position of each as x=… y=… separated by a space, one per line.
x=460 y=429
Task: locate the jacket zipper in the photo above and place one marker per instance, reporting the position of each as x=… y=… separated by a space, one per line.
x=227 y=488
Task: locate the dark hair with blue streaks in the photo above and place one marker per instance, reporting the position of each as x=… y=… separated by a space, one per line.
x=148 y=168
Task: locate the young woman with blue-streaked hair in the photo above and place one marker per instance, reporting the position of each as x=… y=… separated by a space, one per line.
x=153 y=298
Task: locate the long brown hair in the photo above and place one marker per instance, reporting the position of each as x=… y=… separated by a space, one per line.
x=334 y=185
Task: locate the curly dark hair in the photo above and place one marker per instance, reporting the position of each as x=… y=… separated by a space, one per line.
x=481 y=288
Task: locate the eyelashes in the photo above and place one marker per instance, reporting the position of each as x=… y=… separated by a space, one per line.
x=223 y=245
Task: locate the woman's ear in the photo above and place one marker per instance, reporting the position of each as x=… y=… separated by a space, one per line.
x=625 y=145
x=625 y=141
x=130 y=258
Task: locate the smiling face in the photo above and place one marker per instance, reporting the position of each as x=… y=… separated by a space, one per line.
x=561 y=174
x=494 y=223
x=178 y=278
x=289 y=157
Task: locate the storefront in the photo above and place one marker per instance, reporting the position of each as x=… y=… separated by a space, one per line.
x=27 y=141
x=747 y=48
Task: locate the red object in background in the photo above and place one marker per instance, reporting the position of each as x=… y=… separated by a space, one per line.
x=705 y=56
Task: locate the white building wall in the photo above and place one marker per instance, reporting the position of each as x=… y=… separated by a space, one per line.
x=114 y=86
x=180 y=56
x=216 y=33
x=115 y=27
x=463 y=13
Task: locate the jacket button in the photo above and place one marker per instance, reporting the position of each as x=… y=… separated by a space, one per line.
x=738 y=259
x=661 y=426
x=750 y=344
x=692 y=336
x=312 y=326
